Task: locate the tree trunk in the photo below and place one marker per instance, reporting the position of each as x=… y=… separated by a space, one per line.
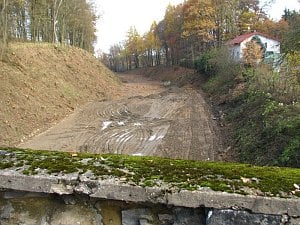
x=193 y=54
x=137 y=63
x=55 y=15
x=4 y=23
x=62 y=32
x=23 y=21
x=167 y=55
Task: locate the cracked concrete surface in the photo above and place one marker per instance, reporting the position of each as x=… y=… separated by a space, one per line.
x=115 y=189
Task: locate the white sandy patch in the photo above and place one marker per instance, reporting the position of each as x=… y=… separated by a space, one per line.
x=137 y=154
x=152 y=138
x=106 y=124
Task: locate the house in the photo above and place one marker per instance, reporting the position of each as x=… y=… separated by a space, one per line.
x=270 y=46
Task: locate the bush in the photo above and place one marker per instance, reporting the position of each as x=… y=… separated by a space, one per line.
x=264 y=117
x=216 y=62
x=218 y=66
x=204 y=64
x=265 y=132
x=283 y=86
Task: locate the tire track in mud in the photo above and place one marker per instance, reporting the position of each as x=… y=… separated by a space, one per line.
x=121 y=131
x=174 y=123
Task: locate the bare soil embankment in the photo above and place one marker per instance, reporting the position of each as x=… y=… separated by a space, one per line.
x=144 y=119
x=41 y=84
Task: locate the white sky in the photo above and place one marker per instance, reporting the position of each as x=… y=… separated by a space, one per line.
x=118 y=15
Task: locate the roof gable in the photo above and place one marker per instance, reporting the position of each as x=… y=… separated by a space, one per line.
x=239 y=39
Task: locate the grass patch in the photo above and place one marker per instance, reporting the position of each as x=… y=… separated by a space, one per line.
x=152 y=171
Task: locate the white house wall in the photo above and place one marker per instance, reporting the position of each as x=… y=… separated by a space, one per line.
x=272 y=45
x=236 y=52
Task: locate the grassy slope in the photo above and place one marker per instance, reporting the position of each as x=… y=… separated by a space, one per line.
x=41 y=84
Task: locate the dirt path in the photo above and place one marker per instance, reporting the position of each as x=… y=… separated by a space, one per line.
x=144 y=119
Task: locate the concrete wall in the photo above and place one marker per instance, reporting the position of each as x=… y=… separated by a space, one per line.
x=78 y=200
x=52 y=209
x=236 y=52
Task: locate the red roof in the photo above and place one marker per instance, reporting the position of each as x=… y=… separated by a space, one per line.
x=239 y=39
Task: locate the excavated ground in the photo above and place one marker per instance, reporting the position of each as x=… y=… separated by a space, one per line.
x=145 y=118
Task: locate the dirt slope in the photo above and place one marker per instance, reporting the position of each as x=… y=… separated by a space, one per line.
x=147 y=119
x=41 y=84
x=175 y=74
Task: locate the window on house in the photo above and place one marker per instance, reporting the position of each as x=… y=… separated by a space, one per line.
x=269 y=53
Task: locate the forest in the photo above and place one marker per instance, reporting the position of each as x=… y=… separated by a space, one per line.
x=194 y=27
x=54 y=21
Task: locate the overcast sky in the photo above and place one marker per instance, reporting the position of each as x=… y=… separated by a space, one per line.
x=118 y=15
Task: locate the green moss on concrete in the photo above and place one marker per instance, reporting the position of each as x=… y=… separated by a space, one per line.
x=151 y=171
x=5 y=165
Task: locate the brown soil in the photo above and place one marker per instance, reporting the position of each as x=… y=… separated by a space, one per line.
x=144 y=118
x=41 y=84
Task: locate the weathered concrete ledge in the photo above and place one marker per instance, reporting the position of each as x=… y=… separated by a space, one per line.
x=115 y=189
x=52 y=188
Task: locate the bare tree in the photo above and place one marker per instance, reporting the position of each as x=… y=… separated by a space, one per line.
x=3 y=22
x=56 y=7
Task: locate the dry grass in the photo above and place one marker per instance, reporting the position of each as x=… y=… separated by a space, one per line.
x=42 y=83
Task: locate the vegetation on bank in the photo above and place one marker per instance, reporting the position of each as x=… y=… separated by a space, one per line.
x=152 y=171
x=259 y=106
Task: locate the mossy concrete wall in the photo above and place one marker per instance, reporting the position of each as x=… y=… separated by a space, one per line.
x=51 y=188
x=76 y=199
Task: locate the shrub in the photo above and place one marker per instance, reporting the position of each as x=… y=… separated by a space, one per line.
x=265 y=132
x=217 y=62
x=218 y=66
x=204 y=65
x=264 y=117
x=283 y=86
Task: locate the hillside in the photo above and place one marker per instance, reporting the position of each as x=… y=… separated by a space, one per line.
x=41 y=84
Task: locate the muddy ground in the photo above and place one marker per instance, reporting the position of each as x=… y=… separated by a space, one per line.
x=145 y=118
